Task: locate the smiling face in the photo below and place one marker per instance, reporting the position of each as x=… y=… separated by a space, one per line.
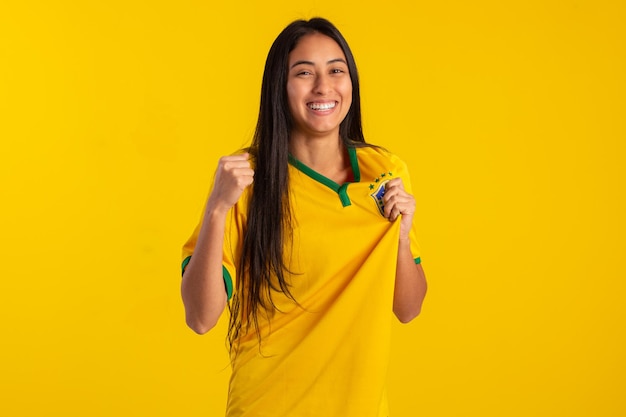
x=319 y=87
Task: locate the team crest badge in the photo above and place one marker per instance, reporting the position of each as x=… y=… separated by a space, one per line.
x=378 y=197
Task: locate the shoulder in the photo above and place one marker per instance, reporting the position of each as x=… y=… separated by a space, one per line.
x=379 y=155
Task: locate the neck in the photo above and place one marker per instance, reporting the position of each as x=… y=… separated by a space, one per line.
x=325 y=156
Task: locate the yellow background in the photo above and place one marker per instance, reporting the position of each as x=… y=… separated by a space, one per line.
x=511 y=116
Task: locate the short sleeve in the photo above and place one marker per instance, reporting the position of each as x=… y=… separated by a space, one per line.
x=231 y=251
x=189 y=246
x=233 y=242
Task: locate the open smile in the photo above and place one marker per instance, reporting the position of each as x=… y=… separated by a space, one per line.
x=322 y=106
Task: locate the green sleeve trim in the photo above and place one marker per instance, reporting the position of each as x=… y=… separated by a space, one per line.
x=418 y=261
x=228 y=282
x=185 y=262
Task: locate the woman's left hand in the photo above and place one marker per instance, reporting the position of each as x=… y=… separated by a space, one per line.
x=398 y=202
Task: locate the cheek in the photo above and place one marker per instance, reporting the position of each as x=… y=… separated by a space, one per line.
x=345 y=86
x=292 y=96
x=346 y=92
x=296 y=90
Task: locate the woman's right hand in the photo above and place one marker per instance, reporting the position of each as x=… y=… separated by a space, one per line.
x=234 y=173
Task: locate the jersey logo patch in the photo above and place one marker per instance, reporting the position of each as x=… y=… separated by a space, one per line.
x=379 y=185
x=378 y=197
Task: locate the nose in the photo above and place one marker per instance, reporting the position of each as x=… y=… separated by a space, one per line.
x=322 y=84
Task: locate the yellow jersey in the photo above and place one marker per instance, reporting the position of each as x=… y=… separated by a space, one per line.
x=326 y=355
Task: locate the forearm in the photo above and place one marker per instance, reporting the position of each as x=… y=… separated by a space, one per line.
x=410 y=285
x=202 y=286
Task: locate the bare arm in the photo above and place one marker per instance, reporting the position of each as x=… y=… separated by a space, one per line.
x=410 y=288
x=410 y=285
x=202 y=286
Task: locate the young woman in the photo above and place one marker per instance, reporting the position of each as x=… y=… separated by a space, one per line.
x=308 y=238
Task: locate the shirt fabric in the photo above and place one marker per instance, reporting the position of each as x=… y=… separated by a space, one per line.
x=326 y=355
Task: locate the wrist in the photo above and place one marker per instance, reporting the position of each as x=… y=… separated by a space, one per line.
x=216 y=212
x=405 y=240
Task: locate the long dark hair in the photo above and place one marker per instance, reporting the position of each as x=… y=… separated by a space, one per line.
x=262 y=268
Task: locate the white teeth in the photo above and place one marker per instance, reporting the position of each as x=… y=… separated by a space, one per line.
x=322 y=106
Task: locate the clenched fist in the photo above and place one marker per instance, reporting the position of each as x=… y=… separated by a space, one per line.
x=234 y=173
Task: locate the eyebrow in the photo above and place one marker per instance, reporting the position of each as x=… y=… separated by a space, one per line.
x=332 y=61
